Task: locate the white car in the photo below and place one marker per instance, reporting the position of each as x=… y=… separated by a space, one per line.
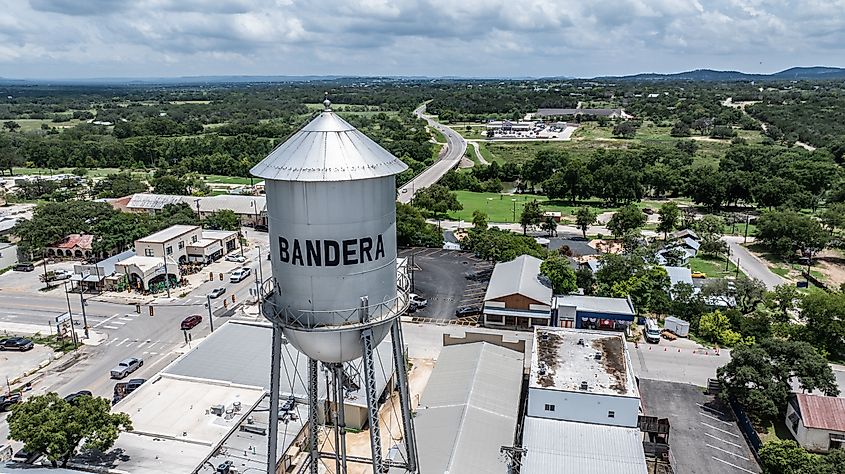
x=238 y=275
x=418 y=300
x=235 y=258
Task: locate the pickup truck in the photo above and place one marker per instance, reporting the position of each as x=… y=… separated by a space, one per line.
x=239 y=274
x=126 y=367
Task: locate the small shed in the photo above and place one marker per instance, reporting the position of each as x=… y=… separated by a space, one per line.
x=817 y=422
x=678 y=326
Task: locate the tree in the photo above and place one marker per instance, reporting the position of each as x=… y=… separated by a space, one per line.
x=499 y=245
x=479 y=219
x=119 y=185
x=53 y=221
x=169 y=184
x=669 y=214
x=584 y=218
x=627 y=218
x=680 y=129
x=531 y=216
x=585 y=279
x=438 y=200
x=50 y=425
x=11 y=125
x=716 y=328
x=413 y=231
x=758 y=376
x=784 y=232
x=9 y=155
x=824 y=325
x=560 y=273
x=648 y=289
x=784 y=456
x=224 y=219
x=834 y=216
x=549 y=226
x=626 y=129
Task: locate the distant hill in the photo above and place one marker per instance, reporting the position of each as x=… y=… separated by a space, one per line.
x=791 y=74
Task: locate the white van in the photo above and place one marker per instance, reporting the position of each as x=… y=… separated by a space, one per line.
x=652 y=331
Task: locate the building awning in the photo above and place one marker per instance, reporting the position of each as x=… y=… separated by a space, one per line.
x=91 y=278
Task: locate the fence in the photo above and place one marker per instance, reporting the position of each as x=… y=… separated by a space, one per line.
x=747 y=428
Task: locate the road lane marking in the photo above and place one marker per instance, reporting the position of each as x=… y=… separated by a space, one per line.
x=110 y=327
x=110 y=342
x=723 y=440
x=126 y=319
x=727 y=452
x=714 y=418
x=720 y=429
x=119 y=322
x=121 y=342
x=705 y=407
x=733 y=465
x=106 y=320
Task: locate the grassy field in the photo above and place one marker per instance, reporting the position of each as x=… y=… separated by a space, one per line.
x=712 y=267
x=216 y=179
x=33 y=125
x=92 y=172
x=438 y=135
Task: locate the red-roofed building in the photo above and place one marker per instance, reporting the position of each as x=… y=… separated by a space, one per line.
x=77 y=246
x=817 y=422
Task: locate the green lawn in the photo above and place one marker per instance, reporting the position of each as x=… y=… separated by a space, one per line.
x=713 y=267
x=437 y=134
x=216 y=179
x=92 y=172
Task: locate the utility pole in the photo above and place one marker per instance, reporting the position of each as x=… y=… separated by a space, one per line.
x=747 y=221
x=737 y=267
x=70 y=315
x=210 y=315
x=166 y=276
x=84 y=317
x=44 y=262
x=260 y=273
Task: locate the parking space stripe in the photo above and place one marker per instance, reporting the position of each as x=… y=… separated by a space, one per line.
x=705 y=407
x=720 y=429
x=121 y=342
x=714 y=418
x=727 y=452
x=106 y=320
x=723 y=440
x=109 y=327
x=119 y=322
x=733 y=465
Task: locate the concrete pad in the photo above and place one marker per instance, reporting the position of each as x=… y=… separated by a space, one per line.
x=15 y=364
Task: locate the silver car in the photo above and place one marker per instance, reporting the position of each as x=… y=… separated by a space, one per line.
x=126 y=367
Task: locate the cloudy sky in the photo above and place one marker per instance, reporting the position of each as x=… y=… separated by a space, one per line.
x=489 y=38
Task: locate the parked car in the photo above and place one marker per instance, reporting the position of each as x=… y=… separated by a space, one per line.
x=122 y=389
x=239 y=274
x=217 y=292
x=699 y=275
x=652 y=331
x=16 y=344
x=24 y=267
x=133 y=385
x=6 y=401
x=418 y=300
x=191 y=322
x=467 y=311
x=126 y=367
x=73 y=397
x=235 y=258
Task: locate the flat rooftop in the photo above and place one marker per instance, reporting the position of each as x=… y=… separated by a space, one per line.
x=168 y=234
x=597 y=304
x=561 y=359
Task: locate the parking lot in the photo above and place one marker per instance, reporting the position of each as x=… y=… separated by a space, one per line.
x=440 y=276
x=13 y=363
x=703 y=436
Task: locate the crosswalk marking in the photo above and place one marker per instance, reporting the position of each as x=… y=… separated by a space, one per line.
x=110 y=327
x=119 y=322
x=126 y=319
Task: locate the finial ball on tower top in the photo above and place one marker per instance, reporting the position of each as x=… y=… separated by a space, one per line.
x=327 y=103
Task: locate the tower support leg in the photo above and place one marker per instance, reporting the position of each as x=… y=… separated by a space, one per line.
x=340 y=420
x=313 y=407
x=275 y=381
x=401 y=368
x=372 y=400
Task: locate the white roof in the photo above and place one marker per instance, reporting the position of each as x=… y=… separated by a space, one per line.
x=328 y=149
x=597 y=304
x=242 y=205
x=584 y=448
x=679 y=275
x=169 y=233
x=218 y=234
x=519 y=276
x=152 y=201
x=469 y=408
x=559 y=362
x=145 y=264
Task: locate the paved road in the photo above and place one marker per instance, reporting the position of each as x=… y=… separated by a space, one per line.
x=751 y=265
x=156 y=339
x=451 y=155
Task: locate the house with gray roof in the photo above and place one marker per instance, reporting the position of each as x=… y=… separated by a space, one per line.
x=516 y=296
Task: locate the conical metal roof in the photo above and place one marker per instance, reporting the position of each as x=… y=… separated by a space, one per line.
x=328 y=149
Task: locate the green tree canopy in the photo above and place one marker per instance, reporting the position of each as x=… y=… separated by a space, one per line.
x=437 y=199
x=584 y=218
x=669 y=215
x=627 y=218
x=50 y=425
x=499 y=245
x=531 y=215
x=786 y=232
x=224 y=219
x=824 y=317
x=556 y=267
x=413 y=231
x=119 y=185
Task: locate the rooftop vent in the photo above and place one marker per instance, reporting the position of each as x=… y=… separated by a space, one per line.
x=544 y=336
x=580 y=342
x=597 y=356
x=541 y=369
x=584 y=385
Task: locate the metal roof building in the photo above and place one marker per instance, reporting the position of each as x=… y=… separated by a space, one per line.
x=469 y=409
x=518 y=276
x=584 y=448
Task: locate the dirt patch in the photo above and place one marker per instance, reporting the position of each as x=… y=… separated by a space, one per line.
x=831 y=263
x=613 y=360
x=548 y=346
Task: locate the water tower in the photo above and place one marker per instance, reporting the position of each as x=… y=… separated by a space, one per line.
x=334 y=295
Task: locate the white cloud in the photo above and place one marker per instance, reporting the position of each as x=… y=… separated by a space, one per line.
x=434 y=37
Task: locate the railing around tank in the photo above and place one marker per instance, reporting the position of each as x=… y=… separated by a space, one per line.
x=341 y=318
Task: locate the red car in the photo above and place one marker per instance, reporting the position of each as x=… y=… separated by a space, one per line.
x=191 y=322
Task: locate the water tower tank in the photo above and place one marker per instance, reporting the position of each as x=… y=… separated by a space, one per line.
x=331 y=212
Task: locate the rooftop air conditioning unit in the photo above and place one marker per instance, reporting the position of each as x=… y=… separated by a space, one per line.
x=218 y=409
x=597 y=356
x=541 y=369
x=580 y=342
x=584 y=385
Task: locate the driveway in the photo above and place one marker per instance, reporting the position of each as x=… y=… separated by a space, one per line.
x=680 y=361
x=703 y=435
x=751 y=265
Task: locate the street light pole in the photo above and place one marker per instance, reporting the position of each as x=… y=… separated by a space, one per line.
x=70 y=315
x=166 y=276
x=260 y=273
x=210 y=315
x=747 y=220
x=84 y=317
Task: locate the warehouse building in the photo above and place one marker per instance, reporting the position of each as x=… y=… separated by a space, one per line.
x=469 y=409
x=251 y=210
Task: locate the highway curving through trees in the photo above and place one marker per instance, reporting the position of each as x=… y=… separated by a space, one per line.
x=450 y=156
